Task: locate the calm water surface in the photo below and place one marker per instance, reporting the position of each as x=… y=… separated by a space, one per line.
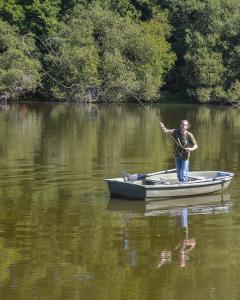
x=62 y=237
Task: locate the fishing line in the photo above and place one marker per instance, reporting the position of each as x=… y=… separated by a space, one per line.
x=144 y=106
x=177 y=142
x=46 y=72
x=51 y=50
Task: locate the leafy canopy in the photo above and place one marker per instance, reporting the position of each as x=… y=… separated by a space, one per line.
x=102 y=55
x=19 y=74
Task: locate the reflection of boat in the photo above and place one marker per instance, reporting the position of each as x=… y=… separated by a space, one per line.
x=164 y=184
x=207 y=204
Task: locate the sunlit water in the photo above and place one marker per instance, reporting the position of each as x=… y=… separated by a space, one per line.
x=62 y=237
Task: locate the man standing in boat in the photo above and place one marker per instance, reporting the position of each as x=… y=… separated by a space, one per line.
x=185 y=143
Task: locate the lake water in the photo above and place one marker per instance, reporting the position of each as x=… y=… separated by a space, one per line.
x=62 y=237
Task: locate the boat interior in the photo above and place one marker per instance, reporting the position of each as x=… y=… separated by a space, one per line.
x=171 y=178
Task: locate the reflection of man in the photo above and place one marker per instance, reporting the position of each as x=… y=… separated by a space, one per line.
x=131 y=252
x=184 y=246
x=187 y=245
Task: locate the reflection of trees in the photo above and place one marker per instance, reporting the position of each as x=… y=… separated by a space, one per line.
x=65 y=140
x=217 y=133
x=8 y=259
x=55 y=234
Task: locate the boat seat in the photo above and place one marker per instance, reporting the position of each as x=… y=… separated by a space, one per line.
x=155 y=181
x=196 y=178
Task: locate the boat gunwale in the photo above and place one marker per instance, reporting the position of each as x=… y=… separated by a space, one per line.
x=191 y=184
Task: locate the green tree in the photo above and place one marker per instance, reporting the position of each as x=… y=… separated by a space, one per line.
x=39 y=17
x=11 y=11
x=19 y=74
x=204 y=69
x=101 y=54
x=142 y=9
x=206 y=41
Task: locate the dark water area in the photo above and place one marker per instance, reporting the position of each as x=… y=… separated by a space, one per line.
x=62 y=237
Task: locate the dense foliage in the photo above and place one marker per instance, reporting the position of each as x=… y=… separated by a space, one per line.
x=206 y=41
x=115 y=50
x=19 y=74
x=100 y=54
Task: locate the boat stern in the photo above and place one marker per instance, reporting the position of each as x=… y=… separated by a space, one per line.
x=118 y=188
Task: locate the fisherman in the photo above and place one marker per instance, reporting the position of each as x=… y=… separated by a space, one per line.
x=185 y=143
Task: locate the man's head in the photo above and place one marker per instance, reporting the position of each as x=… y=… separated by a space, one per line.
x=184 y=125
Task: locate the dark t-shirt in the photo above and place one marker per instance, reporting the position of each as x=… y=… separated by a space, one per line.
x=185 y=140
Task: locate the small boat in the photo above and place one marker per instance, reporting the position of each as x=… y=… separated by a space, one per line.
x=164 y=184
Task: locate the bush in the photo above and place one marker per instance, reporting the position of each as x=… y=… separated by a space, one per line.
x=101 y=55
x=19 y=74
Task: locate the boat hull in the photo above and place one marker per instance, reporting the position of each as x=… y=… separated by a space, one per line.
x=126 y=190
x=186 y=190
x=140 y=190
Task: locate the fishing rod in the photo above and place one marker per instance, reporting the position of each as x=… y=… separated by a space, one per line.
x=51 y=50
x=137 y=98
x=177 y=142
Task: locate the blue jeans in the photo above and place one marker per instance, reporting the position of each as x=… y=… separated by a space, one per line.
x=182 y=167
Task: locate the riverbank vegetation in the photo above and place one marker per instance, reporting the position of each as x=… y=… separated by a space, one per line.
x=120 y=50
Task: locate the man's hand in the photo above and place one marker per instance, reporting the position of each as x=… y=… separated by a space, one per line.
x=188 y=149
x=163 y=127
